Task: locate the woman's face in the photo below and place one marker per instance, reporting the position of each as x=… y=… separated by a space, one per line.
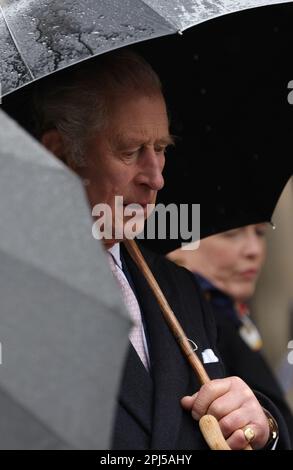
x=232 y=260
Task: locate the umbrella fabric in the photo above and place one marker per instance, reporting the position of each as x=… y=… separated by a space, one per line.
x=225 y=82
x=38 y=38
x=231 y=114
x=63 y=330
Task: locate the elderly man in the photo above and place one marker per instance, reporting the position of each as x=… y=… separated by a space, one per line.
x=108 y=121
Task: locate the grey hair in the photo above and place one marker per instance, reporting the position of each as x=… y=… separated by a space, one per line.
x=77 y=102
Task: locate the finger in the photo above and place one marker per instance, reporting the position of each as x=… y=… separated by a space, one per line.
x=237 y=440
x=225 y=405
x=248 y=435
x=187 y=401
x=207 y=394
x=232 y=422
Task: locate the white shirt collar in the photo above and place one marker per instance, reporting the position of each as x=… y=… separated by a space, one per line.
x=115 y=252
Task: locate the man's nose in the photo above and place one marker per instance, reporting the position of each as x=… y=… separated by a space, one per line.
x=151 y=169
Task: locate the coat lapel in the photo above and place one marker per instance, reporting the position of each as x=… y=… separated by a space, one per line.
x=136 y=390
x=171 y=373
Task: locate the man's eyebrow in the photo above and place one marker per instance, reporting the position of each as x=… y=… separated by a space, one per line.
x=122 y=142
x=167 y=140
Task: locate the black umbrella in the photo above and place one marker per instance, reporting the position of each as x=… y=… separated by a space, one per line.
x=232 y=116
x=225 y=82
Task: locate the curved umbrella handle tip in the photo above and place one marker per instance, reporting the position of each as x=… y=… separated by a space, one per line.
x=212 y=433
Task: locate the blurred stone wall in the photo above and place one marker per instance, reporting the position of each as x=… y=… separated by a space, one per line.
x=273 y=301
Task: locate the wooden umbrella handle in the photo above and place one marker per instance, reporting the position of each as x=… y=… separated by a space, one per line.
x=208 y=424
x=212 y=434
x=168 y=313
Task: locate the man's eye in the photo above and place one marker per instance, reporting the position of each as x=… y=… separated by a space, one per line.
x=130 y=153
x=160 y=149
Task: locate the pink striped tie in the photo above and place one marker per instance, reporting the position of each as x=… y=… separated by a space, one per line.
x=136 y=333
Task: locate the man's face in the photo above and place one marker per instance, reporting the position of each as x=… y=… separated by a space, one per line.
x=127 y=158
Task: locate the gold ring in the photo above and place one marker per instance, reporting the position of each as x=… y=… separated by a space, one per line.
x=249 y=434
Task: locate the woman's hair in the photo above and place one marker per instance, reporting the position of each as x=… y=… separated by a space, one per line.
x=77 y=101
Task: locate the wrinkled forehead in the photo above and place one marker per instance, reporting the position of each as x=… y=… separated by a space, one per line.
x=135 y=115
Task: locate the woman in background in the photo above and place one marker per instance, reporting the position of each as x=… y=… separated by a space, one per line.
x=227 y=267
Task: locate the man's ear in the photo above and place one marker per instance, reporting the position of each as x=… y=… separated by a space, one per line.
x=53 y=141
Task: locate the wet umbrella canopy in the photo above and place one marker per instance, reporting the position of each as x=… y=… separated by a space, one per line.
x=225 y=82
x=38 y=38
x=63 y=328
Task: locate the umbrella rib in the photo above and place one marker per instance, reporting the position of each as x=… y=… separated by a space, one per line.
x=174 y=25
x=16 y=45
